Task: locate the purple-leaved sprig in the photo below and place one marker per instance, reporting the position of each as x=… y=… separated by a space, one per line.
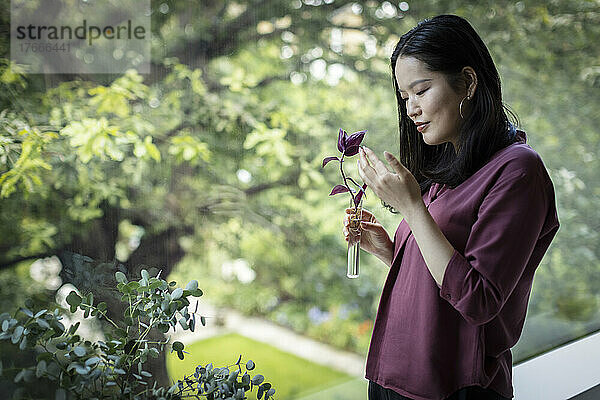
x=348 y=146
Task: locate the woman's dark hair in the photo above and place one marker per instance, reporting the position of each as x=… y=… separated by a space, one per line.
x=446 y=44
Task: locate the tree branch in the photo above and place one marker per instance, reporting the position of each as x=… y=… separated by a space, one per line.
x=289 y=180
x=270 y=79
x=11 y=263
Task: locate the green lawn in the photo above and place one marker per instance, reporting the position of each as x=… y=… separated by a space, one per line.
x=291 y=376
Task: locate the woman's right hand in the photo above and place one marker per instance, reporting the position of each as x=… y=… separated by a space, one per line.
x=372 y=235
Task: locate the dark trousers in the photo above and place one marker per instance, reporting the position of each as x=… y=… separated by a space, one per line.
x=378 y=392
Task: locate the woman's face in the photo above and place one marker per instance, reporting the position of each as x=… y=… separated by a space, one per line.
x=431 y=103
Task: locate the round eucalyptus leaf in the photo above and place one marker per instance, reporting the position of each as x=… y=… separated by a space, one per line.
x=82 y=370
x=73 y=299
x=133 y=285
x=58 y=326
x=246 y=378
x=40 y=369
x=192 y=285
x=92 y=361
x=121 y=278
x=183 y=323
x=42 y=322
x=234 y=375
x=27 y=312
x=258 y=379
x=16 y=336
x=177 y=293
x=20 y=376
x=73 y=328
x=178 y=346
x=79 y=351
x=155 y=284
x=23 y=343
x=250 y=365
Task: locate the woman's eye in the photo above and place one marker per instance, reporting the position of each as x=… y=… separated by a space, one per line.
x=421 y=92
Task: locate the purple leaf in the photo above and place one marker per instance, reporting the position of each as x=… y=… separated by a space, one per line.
x=360 y=194
x=338 y=189
x=351 y=151
x=342 y=137
x=355 y=139
x=353 y=142
x=327 y=159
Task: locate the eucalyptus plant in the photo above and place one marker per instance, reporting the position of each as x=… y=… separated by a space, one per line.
x=114 y=368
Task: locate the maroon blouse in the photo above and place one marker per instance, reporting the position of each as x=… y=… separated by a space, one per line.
x=429 y=341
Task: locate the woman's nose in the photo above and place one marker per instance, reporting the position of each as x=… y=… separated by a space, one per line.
x=412 y=109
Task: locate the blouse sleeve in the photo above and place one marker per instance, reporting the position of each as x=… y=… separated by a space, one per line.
x=497 y=251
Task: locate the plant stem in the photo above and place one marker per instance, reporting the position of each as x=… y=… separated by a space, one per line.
x=105 y=317
x=346 y=183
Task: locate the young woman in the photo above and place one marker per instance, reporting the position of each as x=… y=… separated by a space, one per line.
x=479 y=214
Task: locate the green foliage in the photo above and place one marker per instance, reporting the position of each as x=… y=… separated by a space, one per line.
x=296 y=376
x=217 y=383
x=27 y=169
x=114 y=368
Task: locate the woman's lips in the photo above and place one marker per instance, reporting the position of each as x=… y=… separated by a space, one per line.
x=422 y=127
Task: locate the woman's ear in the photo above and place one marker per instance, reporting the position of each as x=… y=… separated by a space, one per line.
x=470 y=81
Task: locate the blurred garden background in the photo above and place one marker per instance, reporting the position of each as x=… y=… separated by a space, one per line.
x=209 y=167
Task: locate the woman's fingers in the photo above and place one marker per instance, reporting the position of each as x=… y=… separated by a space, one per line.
x=377 y=164
x=369 y=226
x=364 y=213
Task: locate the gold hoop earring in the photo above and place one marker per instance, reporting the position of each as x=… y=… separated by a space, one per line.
x=460 y=106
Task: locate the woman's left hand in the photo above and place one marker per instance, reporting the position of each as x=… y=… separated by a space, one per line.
x=398 y=188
